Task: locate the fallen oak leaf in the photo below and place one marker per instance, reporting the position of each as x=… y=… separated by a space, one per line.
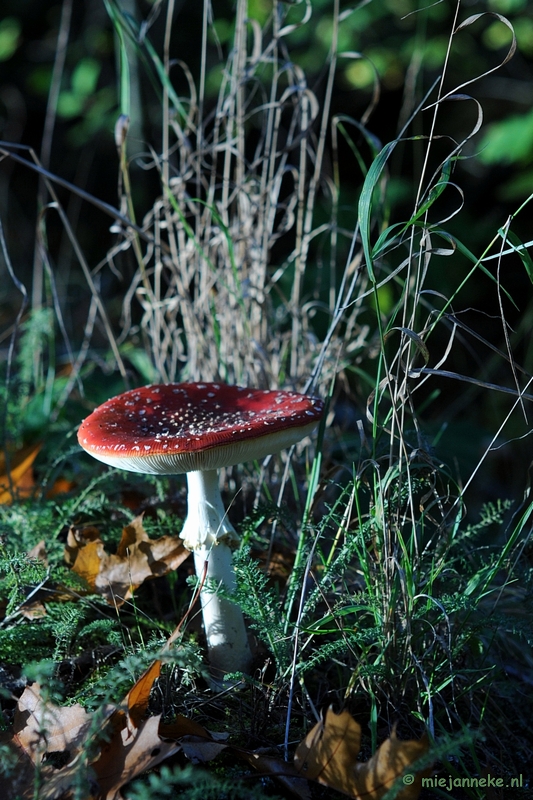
x=85 y=553
x=129 y=753
x=40 y=726
x=19 y=780
x=17 y=776
x=198 y=744
x=41 y=729
x=57 y=784
x=137 y=559
x=136 y=744
x=201 y=746
x=376 y=776
x=329 y=751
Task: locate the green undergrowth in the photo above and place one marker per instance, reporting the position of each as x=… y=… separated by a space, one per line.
x=439 y=641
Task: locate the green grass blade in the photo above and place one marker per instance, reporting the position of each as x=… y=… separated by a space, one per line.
x=365 y=203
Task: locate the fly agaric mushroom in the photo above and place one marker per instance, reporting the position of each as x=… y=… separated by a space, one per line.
x=197 y=428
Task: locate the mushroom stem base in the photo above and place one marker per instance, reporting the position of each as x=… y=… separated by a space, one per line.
x=227 y=640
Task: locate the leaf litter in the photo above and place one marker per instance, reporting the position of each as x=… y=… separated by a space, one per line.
x=53 y=746
x=138 y=558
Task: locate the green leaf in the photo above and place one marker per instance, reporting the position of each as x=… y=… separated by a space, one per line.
x=435 y=191
x=508 y=141
x=70 y=105
x=85 y=77
x=365 y=202
x=9 y=37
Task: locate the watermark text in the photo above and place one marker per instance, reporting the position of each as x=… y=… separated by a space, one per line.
x=449 y=782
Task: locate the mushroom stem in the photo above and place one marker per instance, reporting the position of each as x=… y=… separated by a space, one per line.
x=210 y=535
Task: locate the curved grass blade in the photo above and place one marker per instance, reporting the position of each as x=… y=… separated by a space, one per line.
x=365 y=202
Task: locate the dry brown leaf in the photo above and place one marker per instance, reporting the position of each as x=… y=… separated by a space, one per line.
x=329 y=753
x=54 y=784
x=128 y=753
x=139 y=694
x=200 y=750
x=135 y=744
x=182 y=726
x=282 y=771
x=376 y=776
x=137 y=559
x=20 y=471
x=198 y=744
x=19 y=781
x=34 y=610
x=40 y=726
x=130 y=744
x=38 y=552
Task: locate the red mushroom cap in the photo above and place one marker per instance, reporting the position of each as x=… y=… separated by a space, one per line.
x=182 y=427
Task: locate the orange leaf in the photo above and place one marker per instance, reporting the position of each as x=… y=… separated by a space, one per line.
x=375 y=777
x=137 y=559
x=329 y=753
x=138 y=696
x=21 y=473
x=60 y=486
x=84 y=553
